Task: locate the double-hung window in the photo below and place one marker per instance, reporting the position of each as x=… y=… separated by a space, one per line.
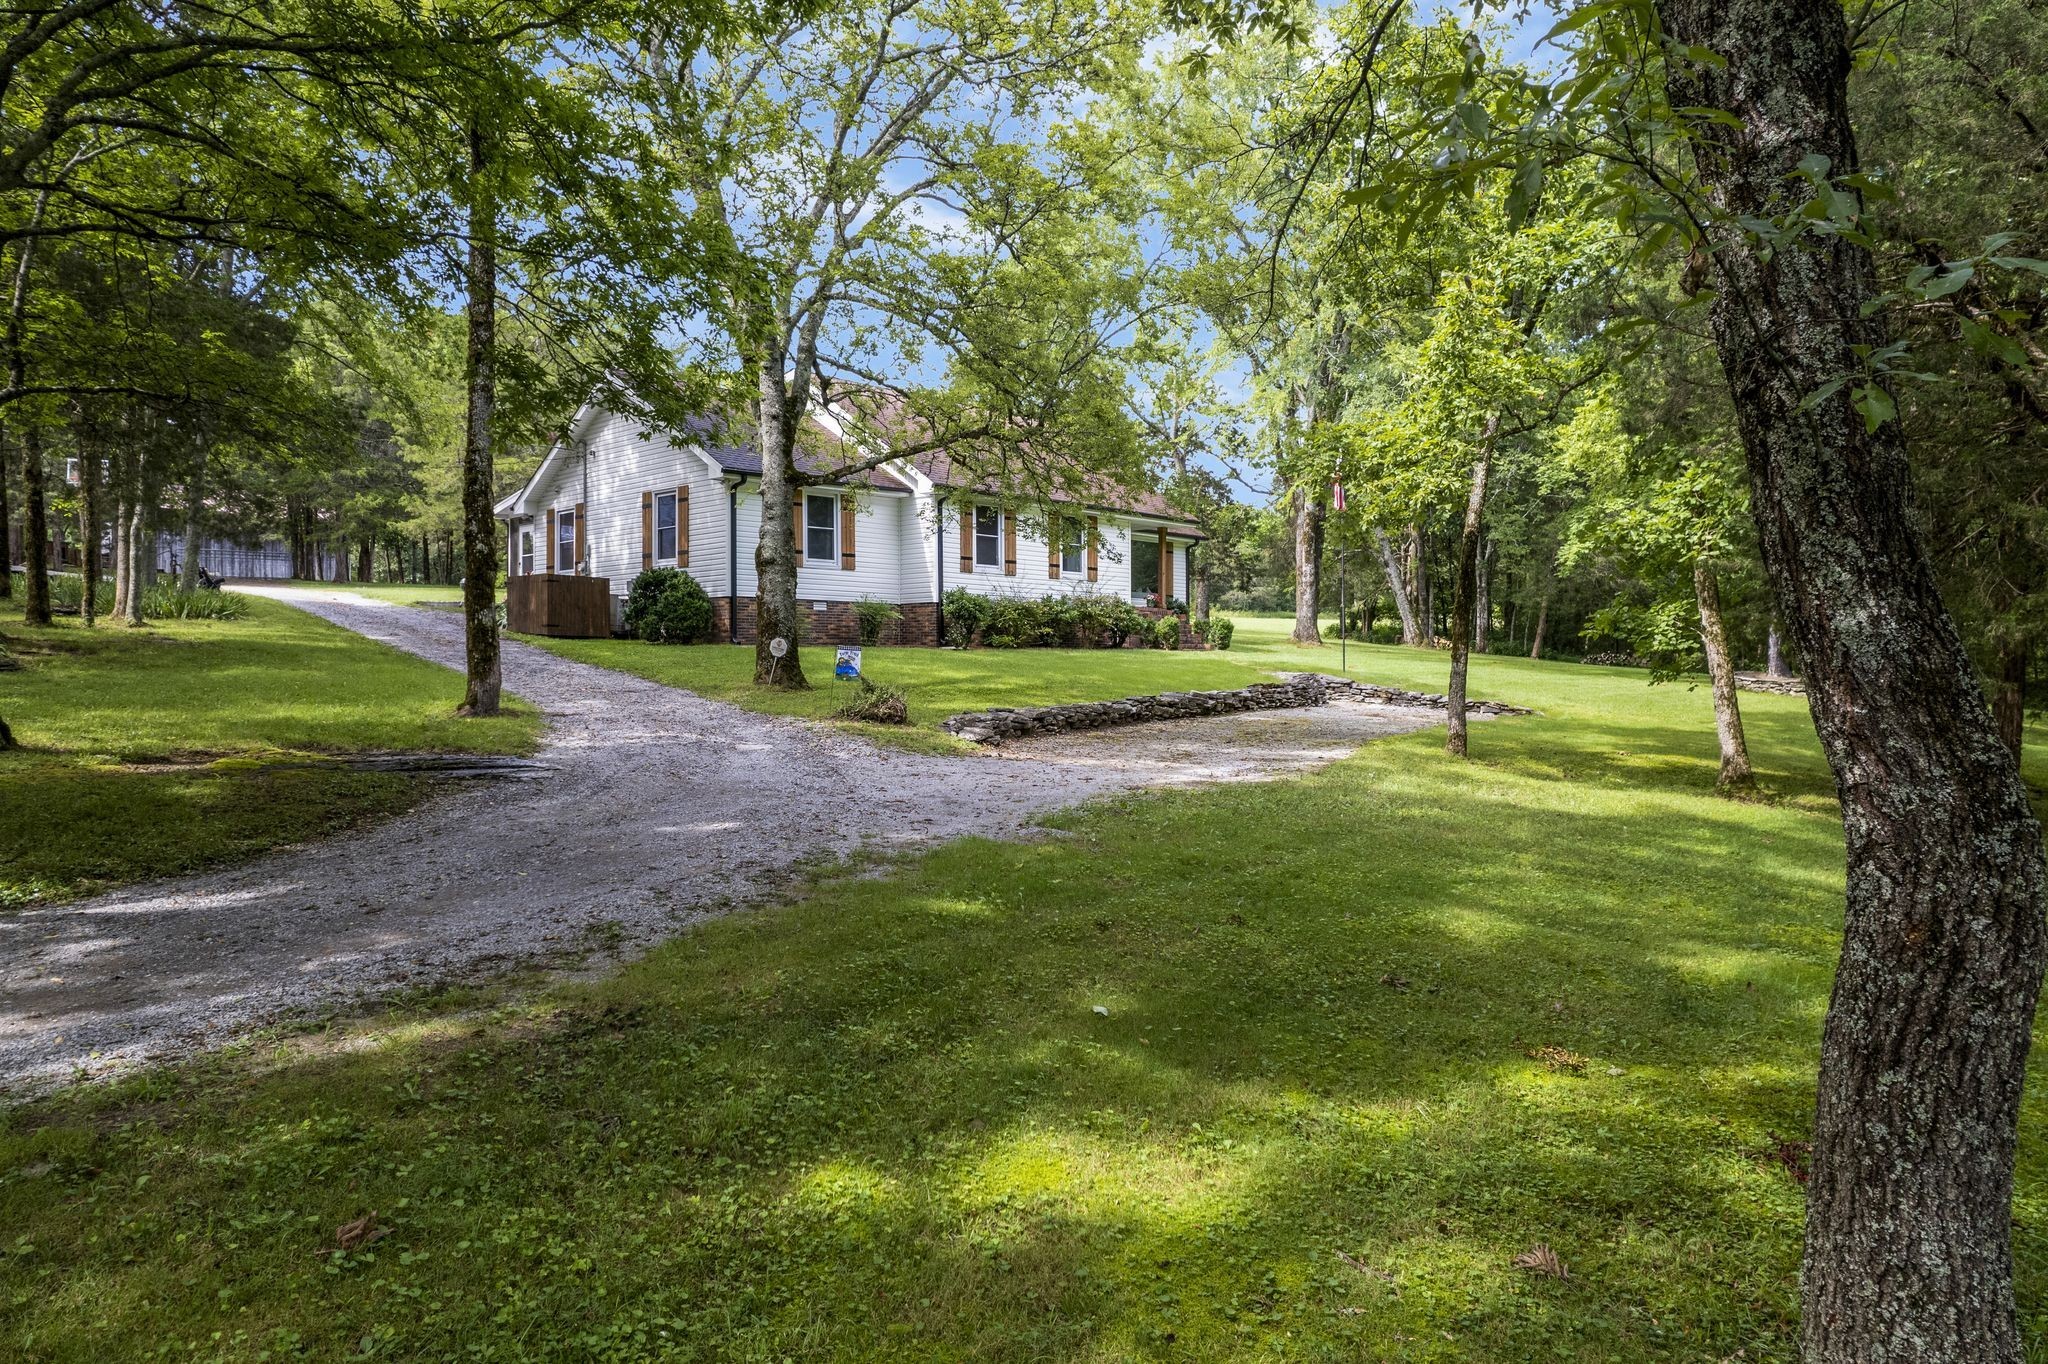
x=565 y=542
x=665 y=528
x=525 y=553
x=988 y=537
x=821 y=528
x=1073 y=545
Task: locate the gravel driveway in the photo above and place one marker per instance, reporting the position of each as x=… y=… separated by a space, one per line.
x=658 y=808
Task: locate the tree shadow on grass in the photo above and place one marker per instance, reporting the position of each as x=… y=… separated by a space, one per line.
x=1236 y=1074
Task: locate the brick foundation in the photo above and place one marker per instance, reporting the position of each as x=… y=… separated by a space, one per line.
x=836 y=624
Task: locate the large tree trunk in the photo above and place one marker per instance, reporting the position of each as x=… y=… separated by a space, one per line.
x=1542 y=619
x=1774 y=652
x=6 y=524
x=366 y=562
x=2009 y=699
x=1465 y=591
x=775 y=551
x=479 y=525
x=36 y=608
x=1736 y=774
x=195 y=512
x=1418 y=586
x=89 y=518
x=1411 y=634
x=1308 y=566
x=1909 y=1210
x=141 y=547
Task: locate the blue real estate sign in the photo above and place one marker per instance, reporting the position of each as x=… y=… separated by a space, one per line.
x=847 y=668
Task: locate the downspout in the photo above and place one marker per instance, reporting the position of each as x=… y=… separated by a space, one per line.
x=732 y=556
x=583 y=514
x=939 y=564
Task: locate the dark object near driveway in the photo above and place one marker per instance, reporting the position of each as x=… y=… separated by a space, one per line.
x=563 y=605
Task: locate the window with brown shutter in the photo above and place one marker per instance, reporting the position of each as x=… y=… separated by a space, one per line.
x=1053 y=527
x=1093 y=535
x=1010 y=546
x=796 y=524
x=846 y=518
x=966 y=538
x=683 y=527
x=1165 y=568
x=582 y=545
x=646 y=531
x=551 y=539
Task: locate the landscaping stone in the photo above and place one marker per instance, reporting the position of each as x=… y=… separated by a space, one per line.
x=1775 y=686
x=1293 y=691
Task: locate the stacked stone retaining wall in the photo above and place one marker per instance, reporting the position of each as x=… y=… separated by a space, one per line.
x=1293 y=691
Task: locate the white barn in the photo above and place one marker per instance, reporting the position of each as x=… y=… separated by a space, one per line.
x=612 y=498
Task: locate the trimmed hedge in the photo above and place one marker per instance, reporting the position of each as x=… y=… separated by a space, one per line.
x=1051 y=622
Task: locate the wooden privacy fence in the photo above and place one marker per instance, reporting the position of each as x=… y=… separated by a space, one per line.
x=560 y=604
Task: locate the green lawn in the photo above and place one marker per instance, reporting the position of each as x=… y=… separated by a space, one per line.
x=937 y=682
x=412 y=594
x=1235 y=1074
x=147 y=752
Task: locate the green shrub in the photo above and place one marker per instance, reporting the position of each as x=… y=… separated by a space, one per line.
x=667 y=606
x=1221 y=628
x=1057 y=621
x=874 y=616
x=162 y=600
x=966 y=615
x=1166 y=632
x=1018 y=623
x=877 y=705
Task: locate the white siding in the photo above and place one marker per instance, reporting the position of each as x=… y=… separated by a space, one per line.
x=878 y=538
x=622 y=465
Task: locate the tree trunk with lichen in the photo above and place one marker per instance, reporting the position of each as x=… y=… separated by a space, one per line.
x=1909 y=1211
x=1465 y=591
x=1308 y=566
x=1397 y=583
x=776 y=549
x=484 y=681
x=1736 y=775
x=2009 y=695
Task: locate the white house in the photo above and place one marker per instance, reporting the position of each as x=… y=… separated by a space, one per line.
x=613 y=498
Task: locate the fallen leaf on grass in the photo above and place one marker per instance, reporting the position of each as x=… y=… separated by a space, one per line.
x=353 y=1236
x=1541 y=1259
x=1558 y=1059
x=1795 y=1156
x=1394 y=982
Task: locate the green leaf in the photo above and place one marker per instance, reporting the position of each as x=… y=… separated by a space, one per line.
x=1875 y=404
x=1944 y=285
x=1821 y=394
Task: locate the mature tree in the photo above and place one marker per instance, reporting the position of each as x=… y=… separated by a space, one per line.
x=867 y=177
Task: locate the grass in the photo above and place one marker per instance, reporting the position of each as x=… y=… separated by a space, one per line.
x=937 y=682
x=155 y=751
x=410 y=594
x=1248 y=1073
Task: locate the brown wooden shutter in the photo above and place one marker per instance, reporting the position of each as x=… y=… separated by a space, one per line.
x=582 y=546
x=1009 y=544
x=967 y=537
x=646 y=531
x=551 y=539
x=1055 y=531
x=846 y=519
x=796 y=520
x=683 y=526
x=1092 y=533
x=1165 y=567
